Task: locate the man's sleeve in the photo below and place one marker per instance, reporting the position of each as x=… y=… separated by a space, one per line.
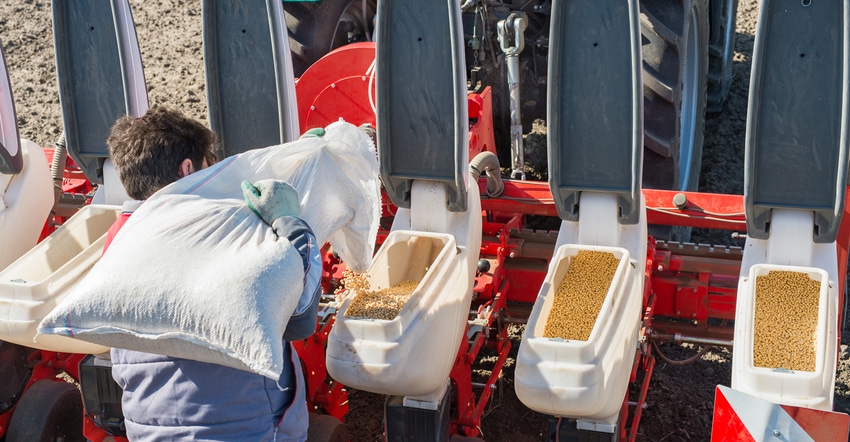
x=302 y=324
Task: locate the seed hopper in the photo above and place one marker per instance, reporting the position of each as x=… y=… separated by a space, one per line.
x=794 y=197
x=464 y=236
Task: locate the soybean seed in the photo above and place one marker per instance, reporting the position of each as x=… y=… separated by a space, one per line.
x=384 y=303
x=580 y=295
x=786 y=320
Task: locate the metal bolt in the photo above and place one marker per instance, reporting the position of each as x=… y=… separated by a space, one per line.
x=693 y=315
x=776 y=433
x=694 y=290
x=333 y=85
x=660 y=268
x=363 y=78
x=512 y=255
x=312 y=107
x=680 y=201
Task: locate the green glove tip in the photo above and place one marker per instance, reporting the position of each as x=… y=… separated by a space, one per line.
x=248 y=187
x=316 y=132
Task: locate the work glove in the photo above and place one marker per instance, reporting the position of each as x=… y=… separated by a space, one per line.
x=316 y=132
x=271 y=199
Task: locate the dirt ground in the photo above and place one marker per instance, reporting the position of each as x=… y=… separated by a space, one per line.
x=680 y=400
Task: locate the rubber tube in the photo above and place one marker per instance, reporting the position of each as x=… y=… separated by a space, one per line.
x=488 y=162
x=57 y=169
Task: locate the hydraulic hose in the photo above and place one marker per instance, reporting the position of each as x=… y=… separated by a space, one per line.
x=685 y=361
x=488 y=162
x=57 y=169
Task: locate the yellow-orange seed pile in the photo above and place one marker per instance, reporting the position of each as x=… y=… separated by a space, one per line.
x=376 y=304
x=580 y=295
x=786 y=319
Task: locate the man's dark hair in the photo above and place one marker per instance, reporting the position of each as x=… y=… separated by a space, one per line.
x=147 y=151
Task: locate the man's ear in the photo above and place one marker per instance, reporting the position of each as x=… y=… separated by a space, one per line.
x=186 y=167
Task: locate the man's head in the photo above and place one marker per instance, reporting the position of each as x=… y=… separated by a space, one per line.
x=157 y=149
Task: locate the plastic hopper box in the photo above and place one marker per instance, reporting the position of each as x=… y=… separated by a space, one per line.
x=36 y=282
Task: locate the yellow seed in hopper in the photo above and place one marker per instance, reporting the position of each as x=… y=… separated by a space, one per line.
x=580 y=295
x=786 y=320
x=351 y=282
x=383 y=303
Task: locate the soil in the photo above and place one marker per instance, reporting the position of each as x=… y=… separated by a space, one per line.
x=681 y=397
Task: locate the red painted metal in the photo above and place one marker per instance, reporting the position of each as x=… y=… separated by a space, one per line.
x=680 y=283
x=481 y=135
x=726 y=425
x=335 y=87
x=644 y=360
x=94 y=433
x=738 y=416
x=843 y=244
x=74 y=182
x=341 y=85
x=4 y=422
x=520 y=197
x=489 y=332
x=324 y=395
x=703 y=210
x=821 y=425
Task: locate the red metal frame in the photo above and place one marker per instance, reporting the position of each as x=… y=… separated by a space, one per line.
x=681 y=282
x=74 y=182
x=709 y=287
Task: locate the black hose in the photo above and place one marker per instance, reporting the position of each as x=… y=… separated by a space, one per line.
x=689 y=360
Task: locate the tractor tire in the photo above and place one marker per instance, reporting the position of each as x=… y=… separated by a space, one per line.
x=15 y=373
x=318 y=28
x=49 y=411
x=721 y=47
x=326 y=428
x=675 y=61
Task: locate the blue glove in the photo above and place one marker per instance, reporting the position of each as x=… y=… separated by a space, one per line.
x=271 y=199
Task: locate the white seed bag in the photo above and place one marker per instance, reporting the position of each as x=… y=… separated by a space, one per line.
x=196 y=274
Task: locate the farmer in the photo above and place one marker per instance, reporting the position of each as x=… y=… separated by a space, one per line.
x=168 y=398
